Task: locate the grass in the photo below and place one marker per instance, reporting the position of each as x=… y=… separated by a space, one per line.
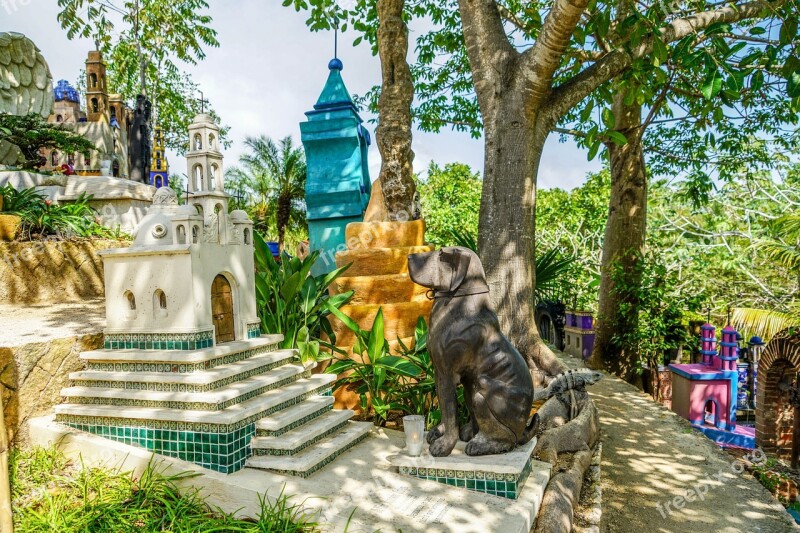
x=52 y=493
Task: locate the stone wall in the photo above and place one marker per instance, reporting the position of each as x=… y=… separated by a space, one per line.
x=52 y=271
x=32 y=375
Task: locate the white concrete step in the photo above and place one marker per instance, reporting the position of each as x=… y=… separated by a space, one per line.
x=301 y=437
x=313 y=458
x=285 y=396
x=277 y=422
x=203 y=377
x=203 y=400
x=180 y=356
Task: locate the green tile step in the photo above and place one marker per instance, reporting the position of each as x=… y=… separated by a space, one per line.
x=302 y=436
x=278 y=422
x=201 y=377
x=280 y=376
x=180 y=356
x=313 y=458
x=259 y=405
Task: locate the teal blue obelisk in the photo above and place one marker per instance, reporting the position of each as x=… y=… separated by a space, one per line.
x=337 y=179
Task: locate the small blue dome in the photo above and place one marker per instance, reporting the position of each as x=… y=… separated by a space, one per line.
x=335 y=64
x=756 y=340
x=65 y=91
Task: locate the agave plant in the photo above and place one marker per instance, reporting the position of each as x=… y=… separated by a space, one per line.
x=549 y=265
x=377 y=376
x=293 y=302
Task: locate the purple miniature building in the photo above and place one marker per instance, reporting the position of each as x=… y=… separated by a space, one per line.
x=579 y=334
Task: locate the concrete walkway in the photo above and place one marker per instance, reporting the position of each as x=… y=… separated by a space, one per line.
x=660 y=476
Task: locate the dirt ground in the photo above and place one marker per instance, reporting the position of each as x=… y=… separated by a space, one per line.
x=660 y=476
x=23 y=324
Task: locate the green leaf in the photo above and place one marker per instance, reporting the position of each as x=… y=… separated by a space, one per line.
x=593 y=150
x=608 y=117
x=618 y=138
x=788 y=30
x=712 y=85
x=660 y=52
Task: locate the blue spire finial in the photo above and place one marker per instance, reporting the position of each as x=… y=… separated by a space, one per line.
x=335 y=64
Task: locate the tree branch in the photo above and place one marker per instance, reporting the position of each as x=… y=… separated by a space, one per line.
x=571 y=92
x=541 y=60
x=490 y=53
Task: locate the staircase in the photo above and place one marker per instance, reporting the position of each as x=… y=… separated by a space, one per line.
x=213 y=406
x=378 y=254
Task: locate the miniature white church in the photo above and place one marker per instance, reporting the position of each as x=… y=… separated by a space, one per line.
x=190 y=269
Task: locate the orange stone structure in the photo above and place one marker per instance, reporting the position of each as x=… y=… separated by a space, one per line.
x=378 y=255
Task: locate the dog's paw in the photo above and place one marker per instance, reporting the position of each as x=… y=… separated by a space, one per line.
x=442 y=446
x=435 y=433
x=466 y=432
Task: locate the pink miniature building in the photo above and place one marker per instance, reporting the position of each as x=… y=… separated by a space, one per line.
x=705 y=393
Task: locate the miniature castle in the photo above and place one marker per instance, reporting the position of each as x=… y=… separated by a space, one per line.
x=159 y=167
x=106 y=123
x=706 y=393
x=185 y=370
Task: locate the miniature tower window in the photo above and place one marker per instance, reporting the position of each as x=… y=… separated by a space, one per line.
x=195 y=231
x=54 y=159
x=59 y=118
x=159 y=303
x=93 y=80
x=710 y=413
x=247 y=235
x=131 y=300
x=95 y=106
x=198 y=178
x=211 y=141
x=198 y=142
x=181 y=234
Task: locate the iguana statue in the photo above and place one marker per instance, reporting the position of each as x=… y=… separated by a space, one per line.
x=569 y=380
x=26 y=85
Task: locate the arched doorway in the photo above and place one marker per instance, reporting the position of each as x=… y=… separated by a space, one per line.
x=778 y=367
x=222 y=309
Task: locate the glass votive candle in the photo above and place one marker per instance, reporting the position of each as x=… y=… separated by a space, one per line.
x=414 y=427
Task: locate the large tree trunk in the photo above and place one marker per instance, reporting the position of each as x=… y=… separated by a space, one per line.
x=506 y=228
x=394 y=120
x=622 y=248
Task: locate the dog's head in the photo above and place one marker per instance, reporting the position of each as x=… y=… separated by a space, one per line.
x=446 y=269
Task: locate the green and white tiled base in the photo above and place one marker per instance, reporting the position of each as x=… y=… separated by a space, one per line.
x=253 y=330
x=502 y=475
x=222 y=452
x=159 y=341
x=205 y=405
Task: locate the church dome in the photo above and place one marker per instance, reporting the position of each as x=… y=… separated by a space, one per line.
x=238 y=214
x=63 y=91
x=186 y=210
x=153 y=230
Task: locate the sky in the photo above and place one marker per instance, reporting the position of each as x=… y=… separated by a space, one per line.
x=268 y=71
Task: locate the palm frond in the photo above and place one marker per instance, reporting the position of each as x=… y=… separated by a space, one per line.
x=765 y=323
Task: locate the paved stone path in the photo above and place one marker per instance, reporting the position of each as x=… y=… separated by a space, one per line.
x=652 y=459
x=23 y=324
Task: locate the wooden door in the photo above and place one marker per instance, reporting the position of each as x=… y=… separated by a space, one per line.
x=222 y=309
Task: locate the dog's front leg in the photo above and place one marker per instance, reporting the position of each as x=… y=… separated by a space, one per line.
x=448 y=403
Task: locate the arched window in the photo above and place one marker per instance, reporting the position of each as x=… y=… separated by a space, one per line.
x=198 y=141
x=181 y=233
x=131 y=300
x=95 y=105
x=92 y=80
x=214 y=176
x=211 y=140
x=710 y=413
x=159 y=182
x=198 y=177
x=199 y=209
x=54 y=159
x=159 y=303
x=59 y=118
x=218 y=209
x=113 y=111
x=158 y=164
x=247 y=235
x=195 y=231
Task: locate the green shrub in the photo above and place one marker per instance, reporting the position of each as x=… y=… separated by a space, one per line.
x=50 y=493
x=290 y=300
x=42 y=218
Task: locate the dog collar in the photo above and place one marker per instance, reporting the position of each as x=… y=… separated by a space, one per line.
x=433 y=294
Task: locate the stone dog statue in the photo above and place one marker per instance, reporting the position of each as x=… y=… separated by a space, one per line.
x=467 y=348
